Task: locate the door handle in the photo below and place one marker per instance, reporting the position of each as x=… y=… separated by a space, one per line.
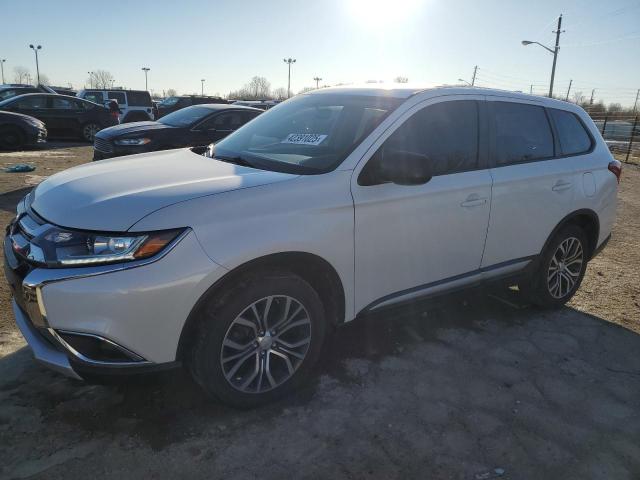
x=561 y=185
x=473 y=200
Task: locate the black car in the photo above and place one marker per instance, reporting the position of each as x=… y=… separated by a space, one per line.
x=189 y=127
x=64 y=116
x=171 y=104
x=14 y=91
x=18 y=130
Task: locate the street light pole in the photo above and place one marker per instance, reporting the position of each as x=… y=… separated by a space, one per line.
x=2 y=68
x=289 y=61
x=35 y=50
x=317 y=79
x=473 y=79
x=90 y=79
x=202 y=86
x=146 y=70
x=465 y=82
x=553 y=51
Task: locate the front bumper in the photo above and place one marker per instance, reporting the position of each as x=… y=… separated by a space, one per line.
x=136 y=309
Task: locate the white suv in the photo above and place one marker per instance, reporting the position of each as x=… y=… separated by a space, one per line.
x=329 y=206
x=134 y=105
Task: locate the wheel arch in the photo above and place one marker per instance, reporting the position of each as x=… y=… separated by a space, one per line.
x=584 y=218
x=318 y=272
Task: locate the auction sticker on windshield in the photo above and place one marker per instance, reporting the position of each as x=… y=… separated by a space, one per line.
x=304 y=138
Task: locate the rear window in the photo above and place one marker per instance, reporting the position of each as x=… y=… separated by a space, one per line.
x=521 y=133
x=573 y=137
x=118 y=97
x=139 y=99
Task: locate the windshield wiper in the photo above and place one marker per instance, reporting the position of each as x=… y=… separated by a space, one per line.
x=238 y=160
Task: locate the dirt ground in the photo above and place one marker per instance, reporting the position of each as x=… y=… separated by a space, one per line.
x=472 y=386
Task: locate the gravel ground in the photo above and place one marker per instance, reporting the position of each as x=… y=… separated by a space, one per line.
x=472 y=386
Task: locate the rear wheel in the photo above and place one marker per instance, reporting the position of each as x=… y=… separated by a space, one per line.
x=258 y=340
x=561 y=269
x=89 y=131
x=11 y=138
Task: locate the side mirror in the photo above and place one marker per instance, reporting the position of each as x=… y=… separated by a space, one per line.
x=397 y=166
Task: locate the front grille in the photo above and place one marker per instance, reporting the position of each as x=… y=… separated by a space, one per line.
x=102 y=145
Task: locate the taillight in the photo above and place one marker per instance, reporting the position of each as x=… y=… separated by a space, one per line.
x=615 y=167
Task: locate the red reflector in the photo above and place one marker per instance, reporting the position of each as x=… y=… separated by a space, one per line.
x=615 y=167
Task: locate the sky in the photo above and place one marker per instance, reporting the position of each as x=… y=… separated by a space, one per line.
x=431 y=42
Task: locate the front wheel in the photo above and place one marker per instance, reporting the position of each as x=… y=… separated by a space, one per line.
x=11 y=138
x=89 y=131
x=258 y=340
x=561 y=269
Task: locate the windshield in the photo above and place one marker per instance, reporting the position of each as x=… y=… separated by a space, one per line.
x=169 y=101
x=185 y=116
x=307 y=134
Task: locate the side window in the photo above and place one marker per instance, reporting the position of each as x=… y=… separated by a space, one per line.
x=118 y=97
x=521 y=133
x=95 y=97
x=224 y=121
x=573 y=137
x=139 y=99
x=31 y=103
x=61 y=103
x=446 y=133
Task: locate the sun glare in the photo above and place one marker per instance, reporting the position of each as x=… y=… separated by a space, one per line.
x=385 y=13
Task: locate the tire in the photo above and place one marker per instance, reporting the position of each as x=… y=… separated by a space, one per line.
x=89 y=130
x=554 y=282
x=241 y=363
x=11 y=138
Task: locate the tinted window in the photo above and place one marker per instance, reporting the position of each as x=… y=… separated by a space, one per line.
x=95 y=97
x=185 y=117
x=118 y=96
x=522 y=133
x=139 y=99
x=446 y=133
x=62 y=103
x=572 y=135
x=31 y=103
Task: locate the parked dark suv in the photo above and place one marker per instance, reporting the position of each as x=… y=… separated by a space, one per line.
x=171 y=104
x=64 y=116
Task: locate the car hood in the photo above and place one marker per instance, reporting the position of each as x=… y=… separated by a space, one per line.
x=112 y=195
x=8 y=116
x=131 y=128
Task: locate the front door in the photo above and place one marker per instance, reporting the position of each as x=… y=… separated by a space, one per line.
x=409 y=239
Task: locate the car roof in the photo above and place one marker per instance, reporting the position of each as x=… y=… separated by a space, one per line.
x=406 y=90
x=224 y=106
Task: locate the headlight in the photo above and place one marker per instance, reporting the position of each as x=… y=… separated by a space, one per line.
x=65 y=248
x=132 y=141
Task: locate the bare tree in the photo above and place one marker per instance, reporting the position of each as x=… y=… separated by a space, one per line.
x=305 y=90
x=101 y=79
x=20 y=74
x=258 y=88
x=44 y=80
x=578 y=98
x=171 y=92
x=400 y=79
x=279 y=93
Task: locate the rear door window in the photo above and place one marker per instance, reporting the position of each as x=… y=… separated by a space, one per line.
x=572 y=134
x=521 y=133
x=31 y=103
x=139 y=99
x=95 y=97
x=118 y=97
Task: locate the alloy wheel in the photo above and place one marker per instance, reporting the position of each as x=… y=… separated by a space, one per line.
x=565 y=267
x=265 y=345
x=89 y=131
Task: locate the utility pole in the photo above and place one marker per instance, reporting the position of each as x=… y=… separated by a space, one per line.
x=635 y=104
x=317 y=79
x=568 y=90
x=2 y=68
x=202 y=86
x=555 y=55
x=591 y=99
x=289 y=61
x=531 y=89
x=35 y=50
x=473 y=78
x=146 y=71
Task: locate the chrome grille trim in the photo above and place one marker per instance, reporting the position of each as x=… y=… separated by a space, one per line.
x=102 y=145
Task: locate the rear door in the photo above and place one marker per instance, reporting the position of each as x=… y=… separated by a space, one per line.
x=34 y=105
x=533 y=189
x=65 y=115
x=219 y=126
